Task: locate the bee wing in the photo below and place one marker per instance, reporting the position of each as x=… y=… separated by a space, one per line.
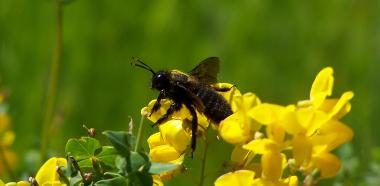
x=206 y=71
x=197 y=102
x=194 y=98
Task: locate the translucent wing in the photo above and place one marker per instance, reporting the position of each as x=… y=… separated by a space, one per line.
x=207 y=70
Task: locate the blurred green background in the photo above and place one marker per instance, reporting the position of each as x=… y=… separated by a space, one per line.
x=271 y=48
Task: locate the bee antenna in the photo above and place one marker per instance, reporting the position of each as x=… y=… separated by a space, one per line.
x=139 y=63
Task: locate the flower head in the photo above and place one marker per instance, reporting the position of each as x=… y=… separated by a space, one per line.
x=239 y=127
x=47 y=175
x=297 y=137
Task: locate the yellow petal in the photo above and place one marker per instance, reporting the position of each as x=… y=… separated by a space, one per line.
x=343 y=106
x=261 y=146
x=328 y=164
x=23 y=183
x=245 y=102
x=203 y=122
x=183 y=113
x=157 y=180
x=290 y=121
x=321 y=143
x=1 y=183
x=302 y=149
x=174 y=134
x=155 y=140
x=165 y=154
x=276 y=132
x=322 y=86
x=291 y=181
x=229 y=95
x=267 y=113
x=20 y=183
x=271 y=163
x=337 y=108
x=53 y=183
x=333 y=134
x=47 y=172
x=237 y=178
x=311 y=119
x=235 y=129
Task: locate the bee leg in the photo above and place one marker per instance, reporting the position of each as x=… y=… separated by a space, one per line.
x=224 y=89
x=173 y=107
x=194 y=128
x=157 y=104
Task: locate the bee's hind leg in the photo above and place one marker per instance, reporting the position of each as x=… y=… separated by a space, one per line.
x=223 y=89
x=194 y=128
x=173 y=107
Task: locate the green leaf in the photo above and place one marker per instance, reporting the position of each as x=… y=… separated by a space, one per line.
x=112 y=174
x=107 y=156
x=76 y=180
x=158 y=168
x=82 y=148
x=117 y=181
x=122 y=141
x=121 y=164
x=140 y=179
x=139 y=161
x=85 y=165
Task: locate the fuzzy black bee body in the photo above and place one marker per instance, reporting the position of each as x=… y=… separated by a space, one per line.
x=194 y=90
x=216 y=107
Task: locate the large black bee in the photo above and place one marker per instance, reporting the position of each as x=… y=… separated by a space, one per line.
x=193 y=89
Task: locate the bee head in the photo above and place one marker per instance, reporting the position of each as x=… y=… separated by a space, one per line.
x=161 y=80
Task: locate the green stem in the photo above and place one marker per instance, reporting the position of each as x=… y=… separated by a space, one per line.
x=139 y=134
x=53 y=82
x=204 y=158
x=7 y=167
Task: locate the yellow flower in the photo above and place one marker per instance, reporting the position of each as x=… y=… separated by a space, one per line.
x=240 y=127
x=47 y=175
x=173 y=133
x=160 y=151
x=237 y=178
x=316 y=128
x=320 y=89
x=290 y=181
x=20 y=183
x=322 y=86
x=229 y=95
x=182 y=114
x=330 y=136
x=273 y=162
x=247 y=178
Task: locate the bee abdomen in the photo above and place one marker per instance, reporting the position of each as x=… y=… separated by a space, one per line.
x=216 y=107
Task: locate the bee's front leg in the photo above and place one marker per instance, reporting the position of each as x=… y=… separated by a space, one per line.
x=175 y=106
x=157 y=104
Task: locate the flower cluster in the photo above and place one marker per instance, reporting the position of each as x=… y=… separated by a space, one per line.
x=273 y=143
x=7 y=136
